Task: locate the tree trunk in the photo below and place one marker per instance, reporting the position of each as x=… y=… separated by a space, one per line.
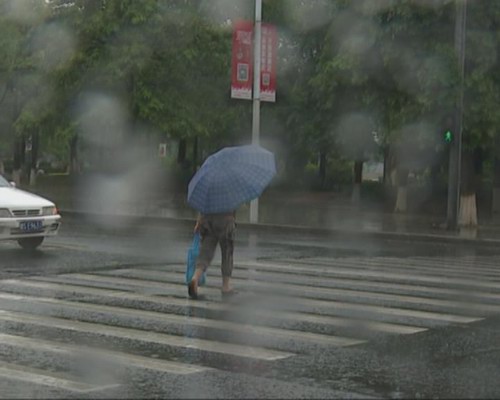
x=34 y=158
x=435 y=170
x=402 y=195
x=2 y=168
x=322 y=169
x=195 y=154
x=468 y=210
x=74 y=166
x=19 y=148
x=468 y=207
x=385 y=176
x=495 y=203
x=181 y=153
x=390 y=167
x=358 y=177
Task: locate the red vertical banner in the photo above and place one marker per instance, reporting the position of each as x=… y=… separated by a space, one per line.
x=242 y=60
x=269 y=48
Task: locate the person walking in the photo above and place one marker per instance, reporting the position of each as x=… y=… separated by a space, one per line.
x=227 y=179
x=215 y=229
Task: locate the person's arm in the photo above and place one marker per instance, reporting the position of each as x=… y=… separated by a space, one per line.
x=198 y=224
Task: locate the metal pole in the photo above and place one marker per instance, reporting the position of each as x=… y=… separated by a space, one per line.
x=254 y=205
x=455 y=165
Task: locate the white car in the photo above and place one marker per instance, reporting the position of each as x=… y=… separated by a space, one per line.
x=26 y=217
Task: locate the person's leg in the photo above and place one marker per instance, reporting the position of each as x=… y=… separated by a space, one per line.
x=227 y=250
x=226 y=240
x=205 y=257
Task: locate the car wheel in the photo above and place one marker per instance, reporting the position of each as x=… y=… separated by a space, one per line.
x=30 y=243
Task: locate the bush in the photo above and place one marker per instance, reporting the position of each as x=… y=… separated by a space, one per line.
x=338 y=177
x=311 y=179
x=8 y=165
x=374 y=191
x=338 y=174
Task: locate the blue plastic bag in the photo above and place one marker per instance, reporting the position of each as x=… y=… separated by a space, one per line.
x=192 y=255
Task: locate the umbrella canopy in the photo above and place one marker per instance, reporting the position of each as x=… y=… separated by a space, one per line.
x=231 y=177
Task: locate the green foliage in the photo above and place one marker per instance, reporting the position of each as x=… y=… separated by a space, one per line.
x=346 y=69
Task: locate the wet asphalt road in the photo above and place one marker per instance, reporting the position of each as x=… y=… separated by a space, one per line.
x=317 y=317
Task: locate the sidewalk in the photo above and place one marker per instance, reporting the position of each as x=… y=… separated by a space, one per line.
x=321 y=214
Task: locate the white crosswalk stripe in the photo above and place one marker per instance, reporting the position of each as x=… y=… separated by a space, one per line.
x=29 y=285
x=403 y=276
x=127 y=359
x=459 y=304
x=331 y=305
x=46 y=378
x=288 y=306
x=144 y=336
x=177 y=319
x=436 y=266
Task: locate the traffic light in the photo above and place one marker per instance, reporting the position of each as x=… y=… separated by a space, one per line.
x=448 y=136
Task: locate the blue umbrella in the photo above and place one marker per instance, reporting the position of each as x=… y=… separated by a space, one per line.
x=231 y=177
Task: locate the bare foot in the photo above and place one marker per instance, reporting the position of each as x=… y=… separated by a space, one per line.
x=228 y=293
x=193 y=289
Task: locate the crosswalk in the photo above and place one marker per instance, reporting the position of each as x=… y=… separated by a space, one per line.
x=60 y=330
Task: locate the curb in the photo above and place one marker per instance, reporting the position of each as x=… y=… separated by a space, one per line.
x=128 y=220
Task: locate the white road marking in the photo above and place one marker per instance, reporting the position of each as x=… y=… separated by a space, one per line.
x=56 y=245
x=129 y=360
x=361 y=296
x=184 y=320
x=403 y=276
x=405 y=266
x=297 y=299
x=355 y=284
x=46 y=378
x=146 y=336
x=206 y=305
x=433 y=266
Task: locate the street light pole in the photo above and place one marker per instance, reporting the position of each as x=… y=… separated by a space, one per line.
x=455 y=163
x=254 y=205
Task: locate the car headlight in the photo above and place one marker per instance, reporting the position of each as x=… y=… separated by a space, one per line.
x=4 y=213
x=49 y=210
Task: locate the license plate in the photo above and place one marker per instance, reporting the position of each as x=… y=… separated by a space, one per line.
x=31 y=226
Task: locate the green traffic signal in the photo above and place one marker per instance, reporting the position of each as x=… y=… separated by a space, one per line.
x=448 y=136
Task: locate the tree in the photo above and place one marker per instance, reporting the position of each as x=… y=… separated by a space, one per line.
x=355 y=134
x=304 y=25
x=18 y=23
x=481 y=94
x=417 y=84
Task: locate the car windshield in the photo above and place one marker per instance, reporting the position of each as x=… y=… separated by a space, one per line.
x=338 y=161
x=3 y=182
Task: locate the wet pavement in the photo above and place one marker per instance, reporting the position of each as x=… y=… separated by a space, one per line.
x=102 y=312
x=306 y=217
x=320 y=211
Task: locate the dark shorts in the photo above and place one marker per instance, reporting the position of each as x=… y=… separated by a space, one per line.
x=217 y=229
